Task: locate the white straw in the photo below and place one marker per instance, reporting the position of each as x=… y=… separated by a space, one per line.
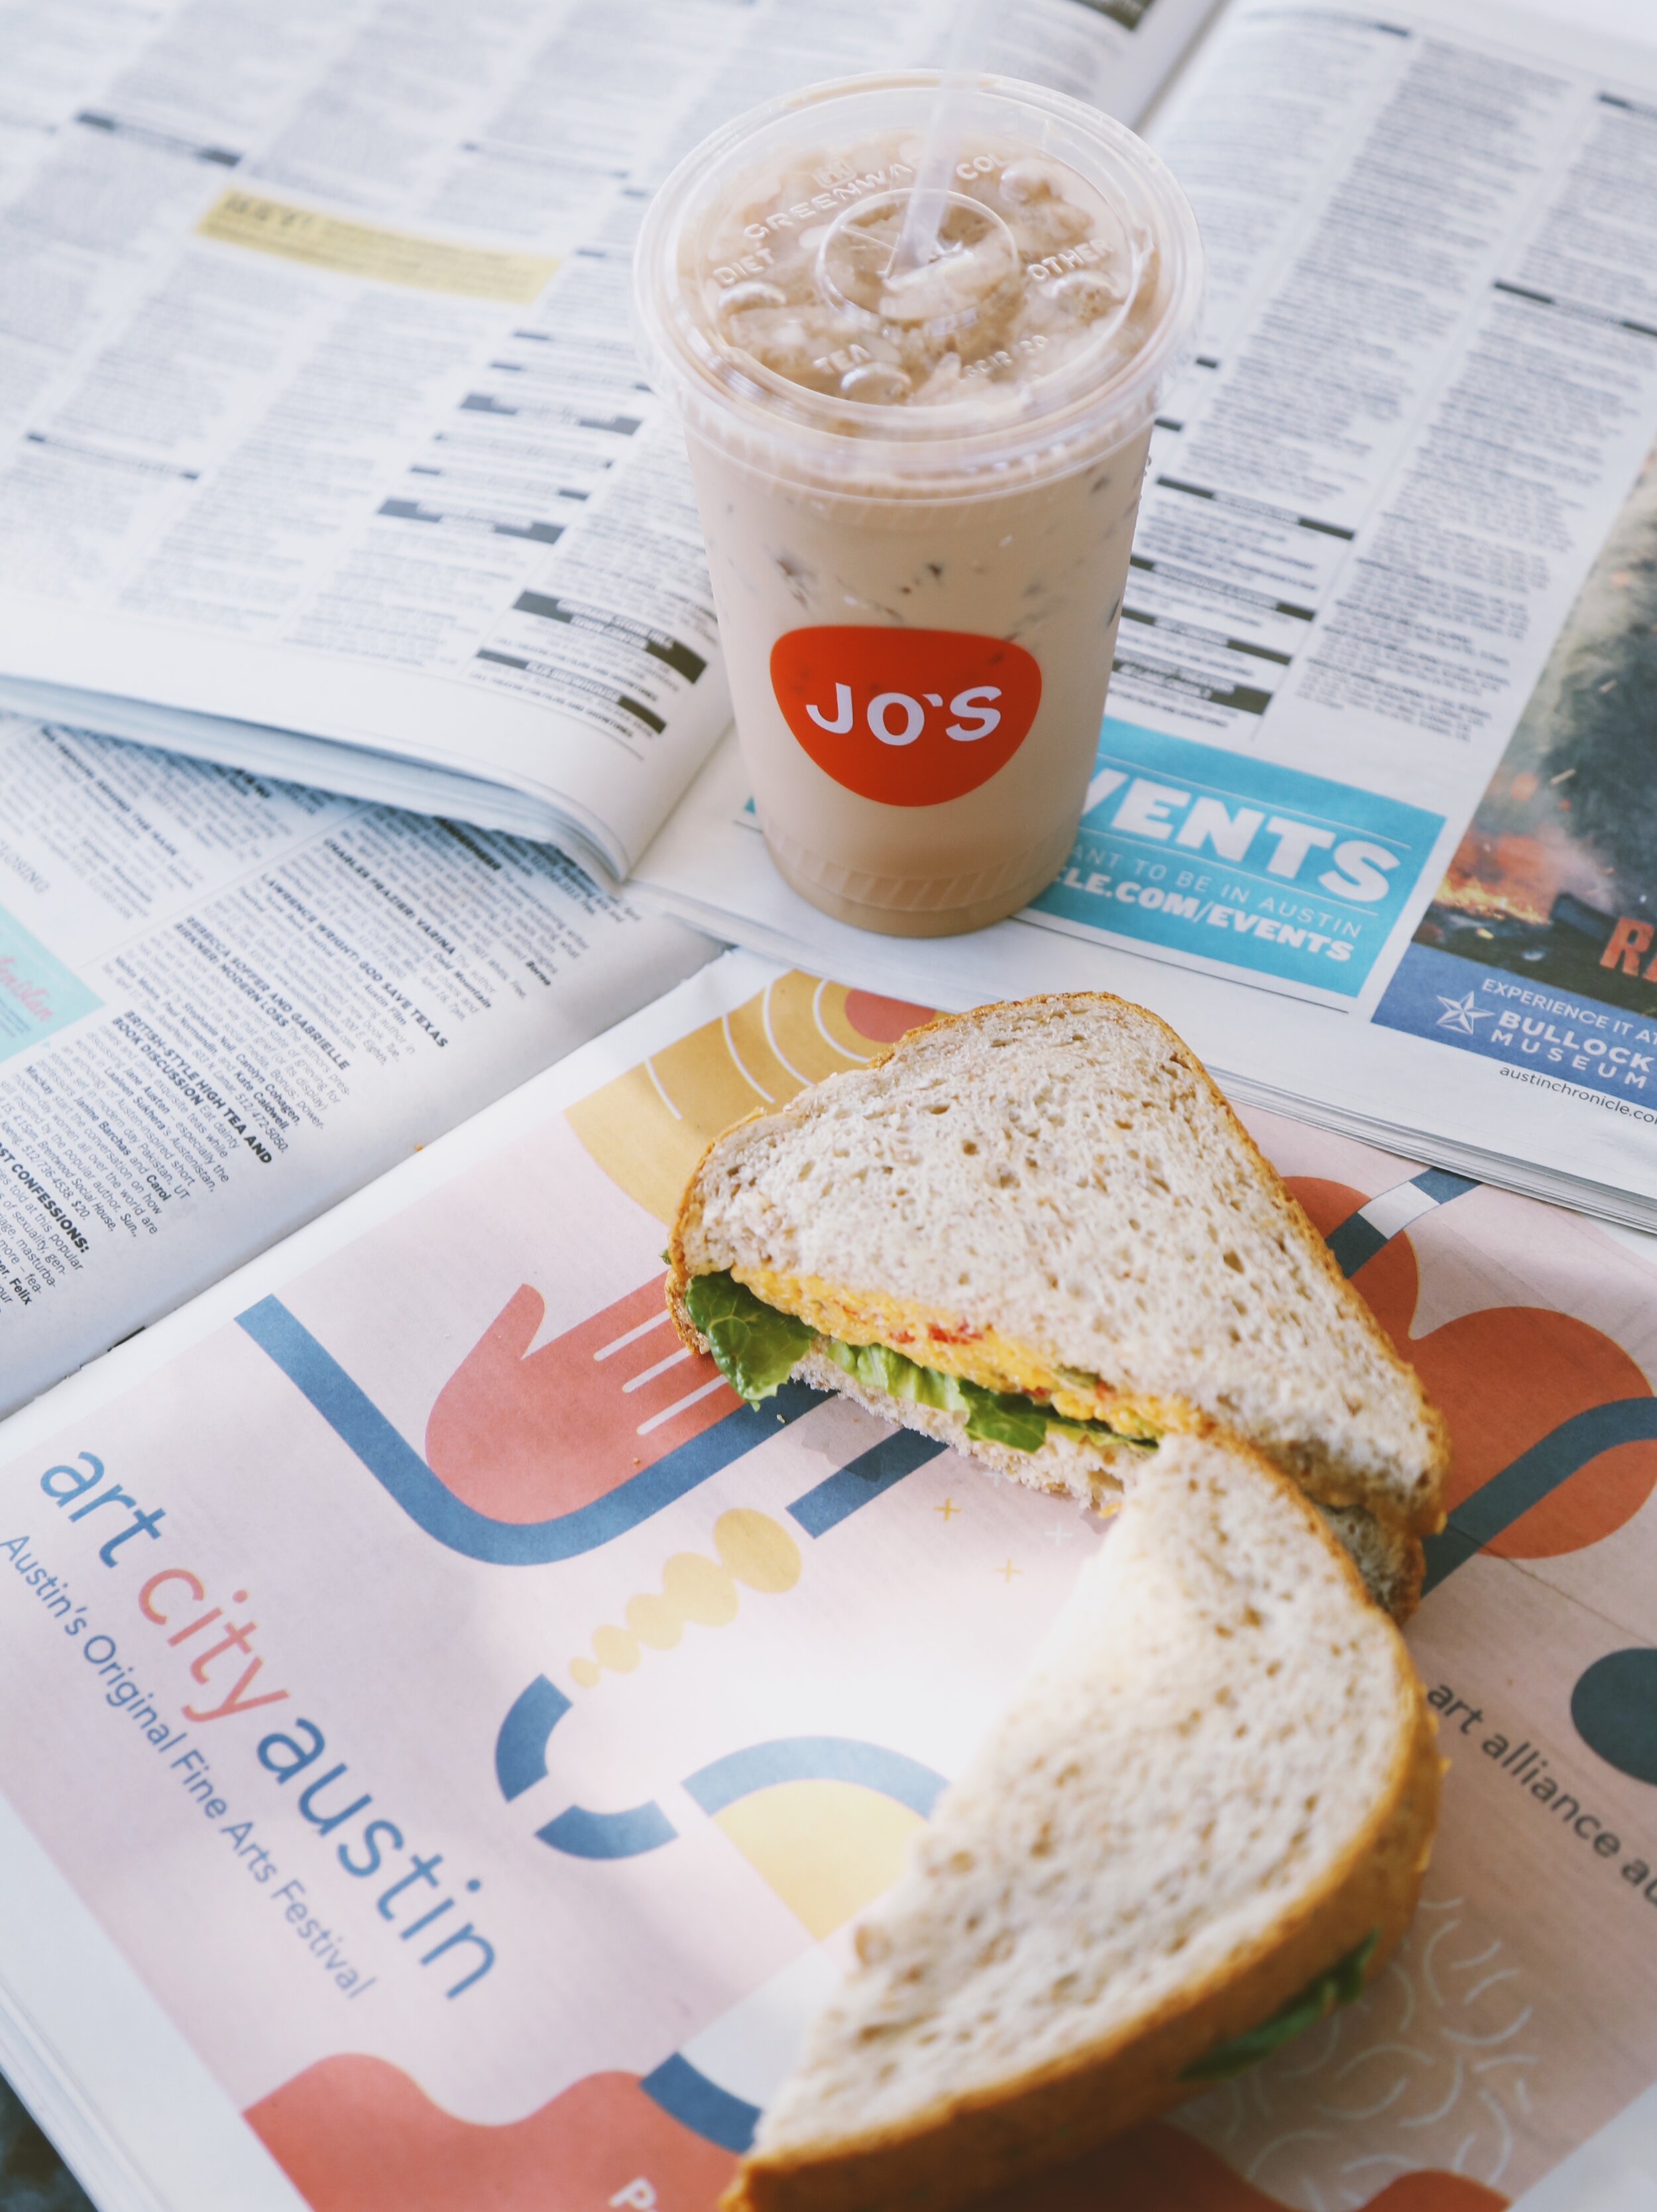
x=963 y=64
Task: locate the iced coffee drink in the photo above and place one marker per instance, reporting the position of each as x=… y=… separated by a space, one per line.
x=918 y=478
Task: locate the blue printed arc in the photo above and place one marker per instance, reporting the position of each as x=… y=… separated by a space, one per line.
x=521 y=1760
x=682 y=2089
x=697 y=2103
x=815 y=1758
x=1240 y=862
x=432 y=1506
x=394 y=1463
x=679 y=2087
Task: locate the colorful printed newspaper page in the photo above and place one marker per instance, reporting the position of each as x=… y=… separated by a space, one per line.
x=455 y=1735
x=1537 y=949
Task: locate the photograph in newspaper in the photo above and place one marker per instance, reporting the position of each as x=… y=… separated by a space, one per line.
x=534 y=1790
x=1538 y=947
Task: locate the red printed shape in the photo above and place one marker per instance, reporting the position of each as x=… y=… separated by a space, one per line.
x=908 y=717
x=523 y=1435
x=883 y=1021
x=354 y=2134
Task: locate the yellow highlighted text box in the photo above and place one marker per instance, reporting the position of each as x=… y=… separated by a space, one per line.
x=366 y=249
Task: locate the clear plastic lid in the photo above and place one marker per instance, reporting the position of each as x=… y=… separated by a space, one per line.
x=770 y=309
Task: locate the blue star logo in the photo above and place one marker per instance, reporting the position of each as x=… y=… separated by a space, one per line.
x=1460 y=1014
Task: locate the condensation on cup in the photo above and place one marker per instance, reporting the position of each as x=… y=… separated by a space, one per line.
x=918 y=486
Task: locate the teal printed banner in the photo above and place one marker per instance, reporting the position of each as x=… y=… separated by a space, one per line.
x=38 y=994
x=1242 y=861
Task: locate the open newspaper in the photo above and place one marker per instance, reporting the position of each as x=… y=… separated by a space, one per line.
x=227 y=1001
x=448 y=1736
x=324 y=452
x=1372 y=820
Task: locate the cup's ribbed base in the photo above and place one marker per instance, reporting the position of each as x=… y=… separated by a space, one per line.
x=918 y=906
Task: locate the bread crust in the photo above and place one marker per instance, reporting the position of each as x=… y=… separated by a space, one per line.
x=962 y=2147
x=1427 y=1516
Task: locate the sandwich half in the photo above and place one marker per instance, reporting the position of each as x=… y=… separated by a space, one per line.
x=1201 y=1822
x=1038 y=1232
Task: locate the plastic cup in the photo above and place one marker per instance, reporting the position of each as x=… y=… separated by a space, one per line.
x=917 y=493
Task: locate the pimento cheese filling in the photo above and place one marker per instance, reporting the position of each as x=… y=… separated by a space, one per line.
x=934 y=1339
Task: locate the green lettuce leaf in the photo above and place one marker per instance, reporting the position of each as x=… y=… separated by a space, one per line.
x=878 y=1367
x=1337 y=1985
x=754 y=1347
x=1008 y=1417
x=1001 y=1417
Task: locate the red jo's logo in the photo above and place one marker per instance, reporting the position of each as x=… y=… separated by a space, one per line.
x=911 y=717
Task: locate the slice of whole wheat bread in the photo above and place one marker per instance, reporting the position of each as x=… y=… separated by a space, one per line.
x=1053 y=1197
x=1217 y=1780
